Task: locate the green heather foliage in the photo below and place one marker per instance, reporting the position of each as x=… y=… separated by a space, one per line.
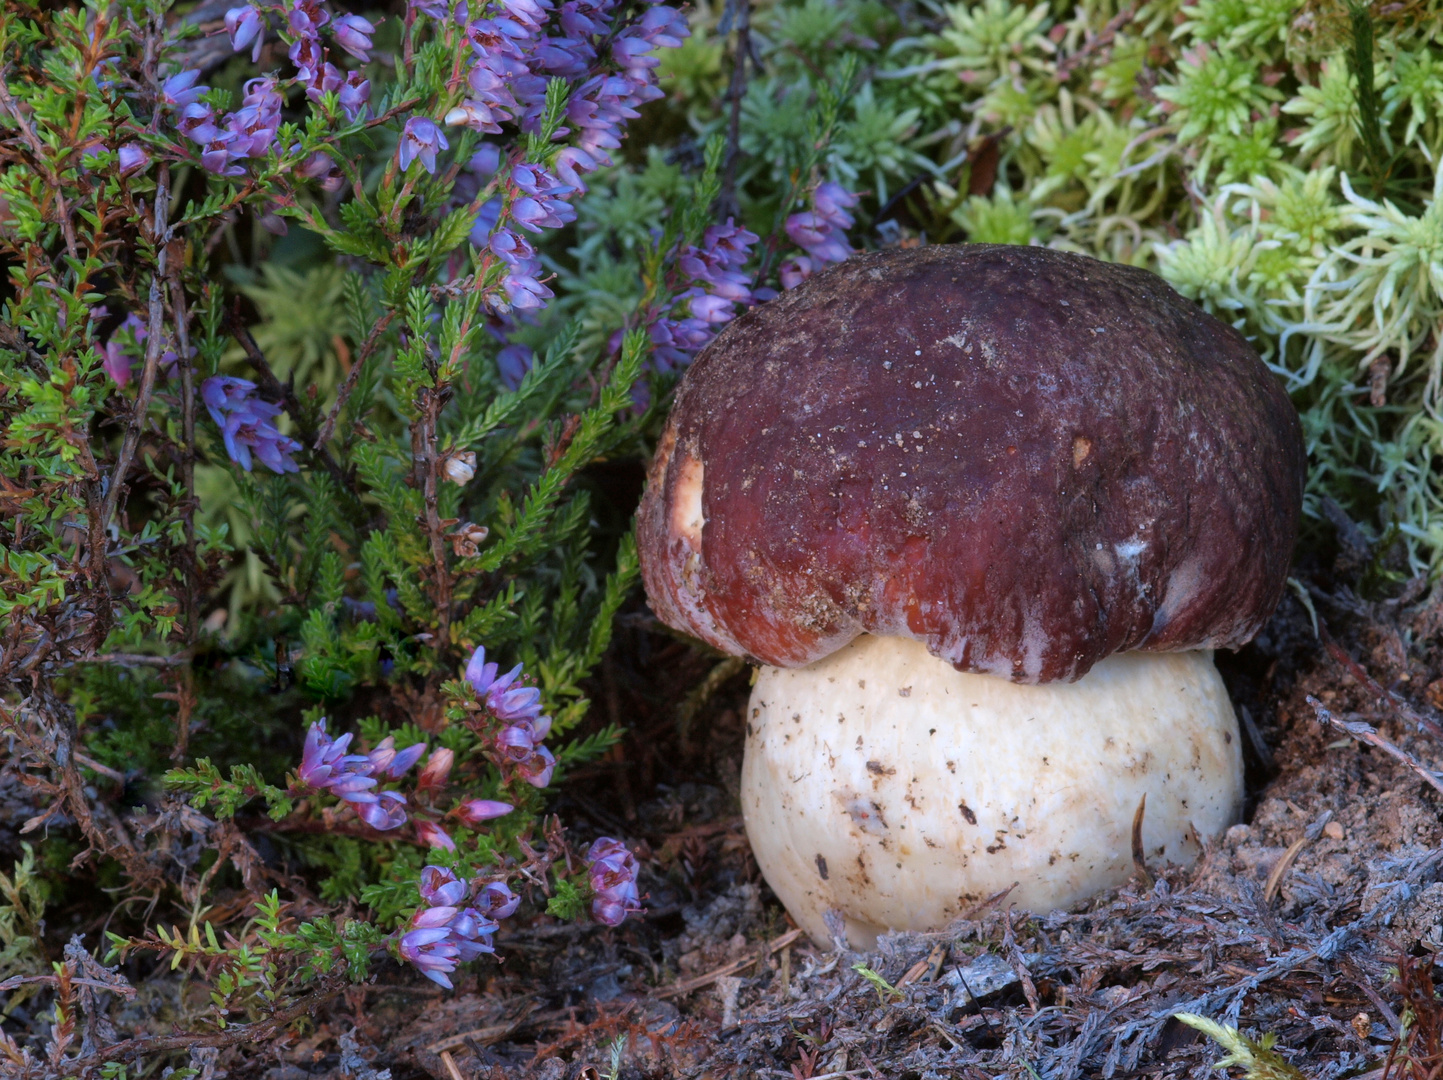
x=449 y=441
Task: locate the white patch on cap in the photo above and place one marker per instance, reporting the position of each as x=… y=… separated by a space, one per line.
x=1131 y=548
x=687 y=517
x=1034 y=644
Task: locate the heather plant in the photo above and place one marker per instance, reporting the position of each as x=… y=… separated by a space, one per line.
x=305 y=567
x=326 y=328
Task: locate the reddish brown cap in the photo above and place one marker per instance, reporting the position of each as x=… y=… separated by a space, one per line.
x=1025 y=458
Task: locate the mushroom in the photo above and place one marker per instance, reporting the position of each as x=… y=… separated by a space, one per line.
x=981 y=513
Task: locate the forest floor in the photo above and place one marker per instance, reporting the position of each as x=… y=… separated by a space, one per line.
x=1316 y=922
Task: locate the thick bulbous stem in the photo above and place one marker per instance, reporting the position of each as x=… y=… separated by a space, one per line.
x=885 y=784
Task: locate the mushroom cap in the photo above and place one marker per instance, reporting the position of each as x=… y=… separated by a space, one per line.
x=1025 y=458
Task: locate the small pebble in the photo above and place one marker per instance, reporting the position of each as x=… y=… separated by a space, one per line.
x=1333 y=831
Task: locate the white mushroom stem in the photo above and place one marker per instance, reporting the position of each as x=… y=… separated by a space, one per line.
x=885 y=784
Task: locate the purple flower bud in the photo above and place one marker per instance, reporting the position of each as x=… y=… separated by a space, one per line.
x=517 y=703
x=353 y=34
x=432 y=835
x=133 y=157
x=440 y=887
x=404 y=759
x=537 y=769
x=496 y=900
x=244 y=25
x=795 y=271
x=246 y=426
x=321 y=753
x=181 y=90
x=354 y=95
x=832 y=202
x=307 y=16
x=354 y=787
x=438 y=768
x=382 y=756
x=470 y=924
x=475 y=811
x=428 y=918
x=387 y=812
x=116 y=364
x=712 y=309
x=612 y=871
x=609 y=912
x=421 y=139
x=433 y=951
x=474 y=115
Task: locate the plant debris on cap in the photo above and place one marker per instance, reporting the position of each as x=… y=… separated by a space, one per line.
x=1026 y=458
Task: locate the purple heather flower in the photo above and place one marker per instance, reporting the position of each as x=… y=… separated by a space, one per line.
x=481 y=675
x=385 y=758
x=421 y=139
x=513 y=362
x=307 y=16
x=433 y=951
x=245 y=424
x=515 y=703
x=321 y=166
x=221 y=393
x=244 y=25
x=496 y=900
x=612 y=871
x=354 y=95
x=254 y=128
x=308 y=56
x=133 y=157
x=820 y=232
x=322 y=755
x=429 y=918
x=472 y=931
x=250 y=430
x=711 y=309
x=432 y=835
x=116 y=364
x=181 y=90
x=485 y=161
x=537 y=769
x=795 y=271
x=326 y=79
x=438 y=768
x=218 y=154
x=353 y=782
x=475 y=811
x=718 y=285
x=543 y=205
x=353 y=34
x=447 y=931
x=387 y=812
x=440 y=888
x=571 y=163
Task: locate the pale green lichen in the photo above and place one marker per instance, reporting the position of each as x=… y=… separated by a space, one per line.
x=1258 y=1059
